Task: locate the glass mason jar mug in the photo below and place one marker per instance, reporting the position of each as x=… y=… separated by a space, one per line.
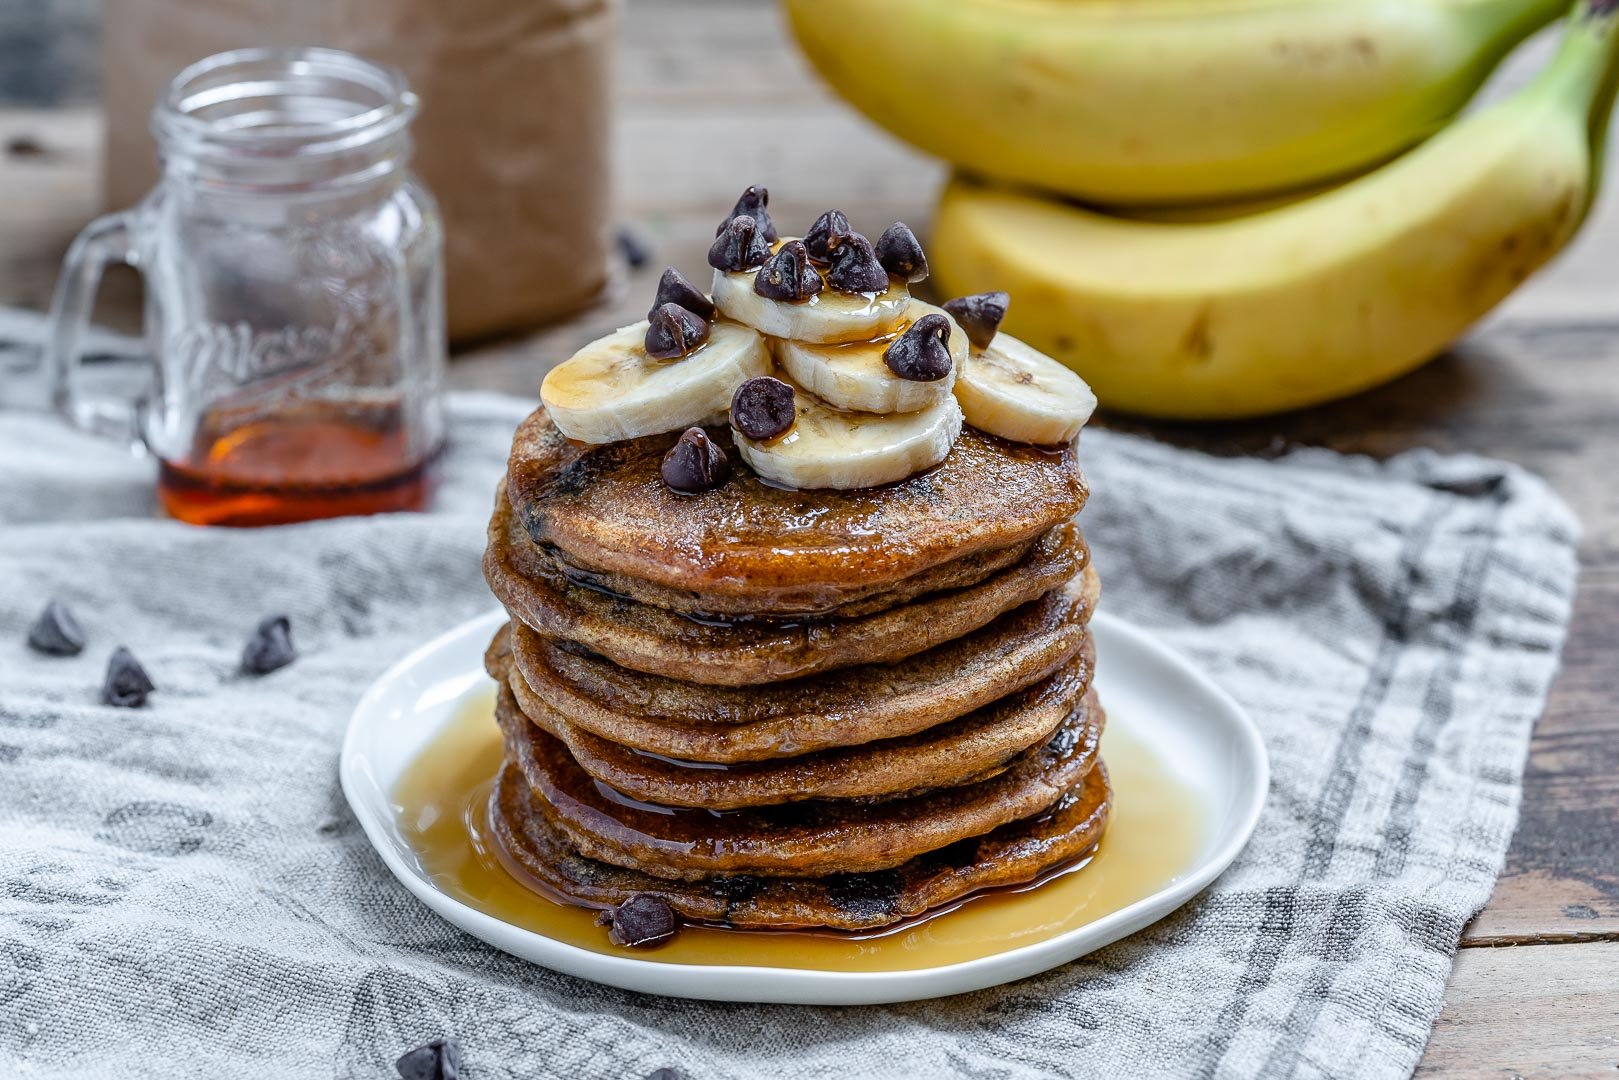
x=294 y=295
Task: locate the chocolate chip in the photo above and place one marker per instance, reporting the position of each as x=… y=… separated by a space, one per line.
x=640 y=922
x=695 y=463
x=788 y=275
x=665 y=1074
x=922 y=353
x=753 y=203
x=270 y=647
x=635 y=251
x=739 y=247
x=127 y=683
x=56 y=632
x=673 y=332
x=763 y=408
x=871 y=895
x=855 y=268
x=436 y=1060
x=673 y=288
x=829 y=224
x=980 y=315
x=900 y=253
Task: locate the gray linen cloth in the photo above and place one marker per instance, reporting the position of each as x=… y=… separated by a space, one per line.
x=183 y=892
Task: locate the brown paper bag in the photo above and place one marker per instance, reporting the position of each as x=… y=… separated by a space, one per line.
x=512 y=138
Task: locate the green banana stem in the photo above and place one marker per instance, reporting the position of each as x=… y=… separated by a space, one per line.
x=1584 y=75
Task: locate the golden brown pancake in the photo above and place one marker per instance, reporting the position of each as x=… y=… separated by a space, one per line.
x=660 y=642
x=727 y=724
x=963 y=751
x=607 y=509
x=1010 y=855
x=804 y=839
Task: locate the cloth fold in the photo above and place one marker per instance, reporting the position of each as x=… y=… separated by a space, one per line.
x=184 y=893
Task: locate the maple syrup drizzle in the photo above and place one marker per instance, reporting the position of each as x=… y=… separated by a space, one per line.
x=1156 y=832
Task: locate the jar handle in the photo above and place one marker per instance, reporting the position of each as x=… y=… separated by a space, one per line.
x=107 y=239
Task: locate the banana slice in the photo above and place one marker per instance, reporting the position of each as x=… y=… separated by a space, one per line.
x=828 y=316
x=1019 y=393
x=611 y=389
x=854 y=375
x=828 y=448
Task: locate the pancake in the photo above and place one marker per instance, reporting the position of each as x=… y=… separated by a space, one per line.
x=660 y=642
x=806 y=839
x=728 y=725
x=607 y=509
x=857 y=599
x=963 y=751
x=1010 y=855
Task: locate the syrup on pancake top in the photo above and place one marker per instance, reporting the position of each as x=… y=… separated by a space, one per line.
x=799 y=616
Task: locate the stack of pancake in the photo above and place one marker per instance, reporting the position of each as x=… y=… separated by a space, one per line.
x=781 y=709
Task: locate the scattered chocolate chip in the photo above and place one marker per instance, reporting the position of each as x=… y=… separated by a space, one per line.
x=56 y=632
x=636 y=252
x=640 y=922
x=436 y=1060
x=127 y=683
x=673 y=288
x=980 y=315
x=900 y=253
x=739 y=247
x=855 y=268
x=788 y=275
x=922 y=353
x=752 y=203
x=695 y=463
x=673 y=332
x=763 y=408
x=829 y=224
x=270 y=647
x=24 y=146
x=665 y=1074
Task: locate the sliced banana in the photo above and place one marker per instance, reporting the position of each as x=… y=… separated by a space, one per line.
x=828 y=316
x=611 y=389
x=1019 y=393
x=854 y=376
x=829 y=448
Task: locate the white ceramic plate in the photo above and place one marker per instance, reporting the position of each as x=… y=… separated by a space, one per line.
x=1208 y=743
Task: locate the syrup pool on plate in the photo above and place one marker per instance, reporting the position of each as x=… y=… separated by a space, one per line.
x=1154 y=837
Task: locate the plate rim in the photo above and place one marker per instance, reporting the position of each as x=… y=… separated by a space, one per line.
x=780 y=985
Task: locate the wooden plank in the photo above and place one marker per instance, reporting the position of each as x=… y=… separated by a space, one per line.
x=1530 y=1011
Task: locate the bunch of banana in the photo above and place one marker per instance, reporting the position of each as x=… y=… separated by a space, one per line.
x=1125 y=102
x=1313 y=297
x=828 y=372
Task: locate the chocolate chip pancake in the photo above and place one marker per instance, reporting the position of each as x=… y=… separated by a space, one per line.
x=772 y=550
x=660 y=642
x=800 y=839
x=727 y=725
x=1010 y=855
x=963 y=751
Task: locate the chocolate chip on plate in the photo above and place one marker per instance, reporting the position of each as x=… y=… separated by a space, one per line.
x=980 y=315
x=829 y=224
x=695 y=463
x=673 y=288
x=673 y=332
x=56 y=632
x=752 y=203
x=922 y=353
x=900 y=253
x=436 y=1060
x=640 y=922
x=635 y=251
x=665 y=1073
x=270 y=647
x=763 y=408
x=127 y=683
x=855 y=268
x=739 y=247
x=788 y=275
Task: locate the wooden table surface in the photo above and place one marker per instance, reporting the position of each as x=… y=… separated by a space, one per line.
x=1535 y=990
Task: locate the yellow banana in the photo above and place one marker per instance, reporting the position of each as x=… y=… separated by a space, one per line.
x=1317 y=298
x=1129 y=102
